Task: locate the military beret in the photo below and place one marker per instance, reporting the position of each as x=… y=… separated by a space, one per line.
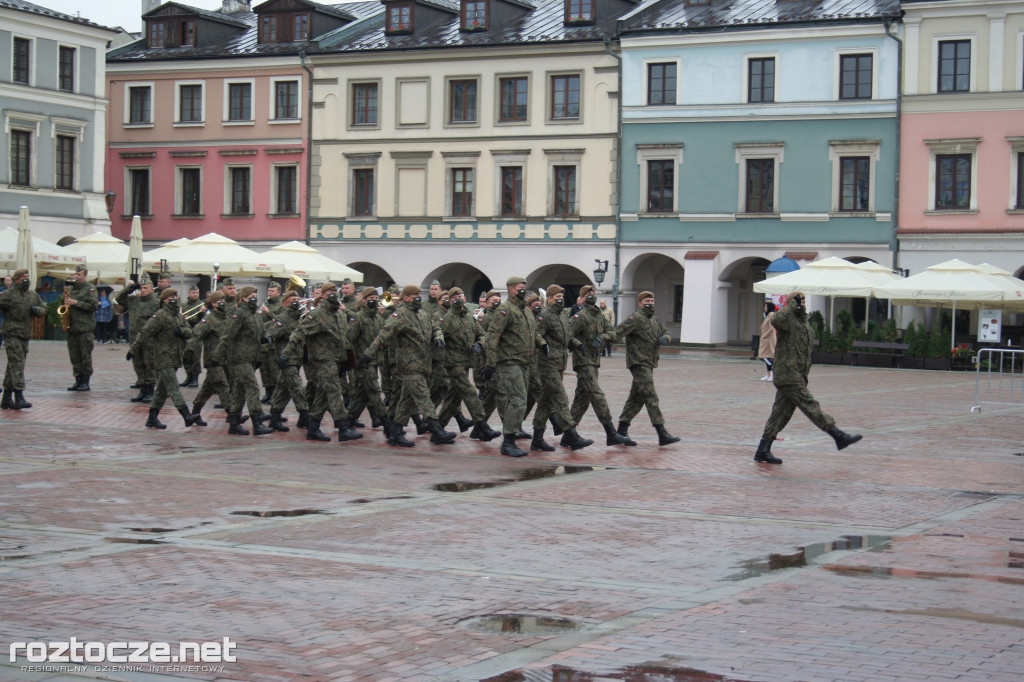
x=587 y=289
x=246 y=292
x=455 y=291
x=493 y=292
x=531 y=298
x=168 y=293
x=642 y=295
x=444 y=293
x=554 y=289
x=289 y=294
x=18 y=274
x=81 y=268
x=410 y=290
x=214 y=297
x=369 y=291
x=514 y=280
x=328 y=286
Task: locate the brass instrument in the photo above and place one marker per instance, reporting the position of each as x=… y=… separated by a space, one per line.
x=65 y=310
x=193 y=311
x=294 y=282
x=388 y=298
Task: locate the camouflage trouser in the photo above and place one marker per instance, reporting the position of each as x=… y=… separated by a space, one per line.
x=552 y=400
x=438 y=383
x=17 y=349
x=328 y=393
x=192 y=360
x=215 y=382
x=642 y=394
x=532 y=388
x=787 y=399
x=460 y=391
x=311 y=382
x=510 y=381
x=365 y=392
x=80 y=352
x=143 y=366
x=166 y=386
x=588 y=392
x=289 y=385
x=268 y=368
x=387 y=385
x=244 y=391
x=413 y=398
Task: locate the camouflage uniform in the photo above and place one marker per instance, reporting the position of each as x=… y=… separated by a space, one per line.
x=461 y=332
x=486 y=386
x=642 y=332
x=410 y=333
x=19 y=306
x=205 y=338
x=362 y=331
x=438 y=378
x=587 y=325
x=322 y=338
x=82 y=328
x=511 y=342
x=139 y=309
x=164 y=334
x=554 y=329
x=268 y=365
x=239 y=349
x=289 y=383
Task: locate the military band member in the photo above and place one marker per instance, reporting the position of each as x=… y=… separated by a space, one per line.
x=362 y=330
x=227 y=285
x=19 y=304
x=206 y=335
x=192 y=361
x=163 y=283
x=269 y=311
x=165 y=335
x=82 y=300
x=289 y=384
x=140 y=303
x=240 y=351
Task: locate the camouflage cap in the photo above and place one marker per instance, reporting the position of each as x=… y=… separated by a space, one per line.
x=194 y=287
x=274 y=283
x=346 y=281
x=81 y=268
x=226 y=282
x=455 y=291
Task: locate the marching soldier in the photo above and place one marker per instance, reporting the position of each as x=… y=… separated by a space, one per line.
x=793 y=346
x=643 y=333
x=362 y=330
x=227 y=285
x=192 y=361
x=140 y=307
x=82 y=300
x=19 y=305
x=165 y=335
x=488 y=397
x=205 y=338
x=289 y=384
x=593 y=331
x=239 y=351
x=553 y=402
x=268 y=365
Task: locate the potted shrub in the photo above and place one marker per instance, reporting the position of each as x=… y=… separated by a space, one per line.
x=938 y=350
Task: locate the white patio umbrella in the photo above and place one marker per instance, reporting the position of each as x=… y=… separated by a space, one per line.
x=105 y=256
x=151 y=259
x=46 y=256
x=826 y=277
x=1013 y=295
x=133 y=264
x=308 y=263
x=198 y=257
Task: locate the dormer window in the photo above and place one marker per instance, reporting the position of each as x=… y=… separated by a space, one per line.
x=399 y=18
x=474 y=15
x=284 y=28
x=172 y=33
x=696 y=2
x=579 y=11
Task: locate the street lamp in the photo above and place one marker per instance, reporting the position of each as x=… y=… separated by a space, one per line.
x=110 y=197
x=602 y=267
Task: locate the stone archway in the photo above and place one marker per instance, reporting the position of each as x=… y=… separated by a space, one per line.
x=566 y=276
x=373 y=275
x=467 y=277
x=662 y=276
x=745 y=306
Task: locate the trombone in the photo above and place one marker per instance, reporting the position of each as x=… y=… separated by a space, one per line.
x=193 y=311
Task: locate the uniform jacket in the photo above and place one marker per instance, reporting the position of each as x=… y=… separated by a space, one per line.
x=461 y=331
x=19 y=307
x=553 y=327
x=207 y=332
x=364 y=329
x=586 y=325
x=641 y=332
x=139 y=308
x=323 y=335
x=274 y=306
x=793 y=347
x=241 y=339
x=281 y=327
x=512 y=334
x=83 y=312
x=411 y=334
x=159 y=336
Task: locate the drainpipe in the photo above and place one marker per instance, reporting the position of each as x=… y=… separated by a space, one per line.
x=309 y=139
x=899 y=126
x=618 y=179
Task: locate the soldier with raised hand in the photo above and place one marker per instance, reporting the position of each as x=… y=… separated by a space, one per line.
x=289 y=383
x=793 y=346
x=643 y=333
x=205 y=337
x=140 y=304
x=165 y=335
x=323 y=338
x=553 y=402
x=82 y=300
x=240 y=351
x=593 y=331
x=19 y=304
x=362 y=331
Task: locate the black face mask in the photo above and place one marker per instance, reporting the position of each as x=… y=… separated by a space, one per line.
x=332 y=300
x=649 y=307
x=171 y=303
x=23 y=285
x=415 y=303
x=458 y=304
x=220 y=306
x=589 y=300
x=521 y=294
x=536 y=310
x=295 y=305
x=496 y=304
x=559 y=303
x=253 y=304
x=447 y=305
x=372 y=304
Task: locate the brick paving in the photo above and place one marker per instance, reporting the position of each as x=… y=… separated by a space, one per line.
x=901 y=558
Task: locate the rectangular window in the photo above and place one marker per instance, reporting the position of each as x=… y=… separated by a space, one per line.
x=139 y=178
x=579 y=10
x=287 y=189
x=190 y=191
x=22 y=57
x=565 y=191
x=240 y=191
x=286 y=100
x=761 y=79
x=462 y=192
x=362 y=204
x=66 y=69
x=760 y=186
x=474 y=14
x=462 y=101
x=190 y=103
x=65 y=162
x=952 y=182
x=1020 y=180
x=660 y=186
x=268 y=29
x=364 y=104
x=157 y=34
x=139 y=105
x=513 y=98
x=240 y=102
x=854 y=183
x=855 y=76
x=661 y=83
x=21 y=157
x=300 y=27
x=188 y=33
x=511 y=191
x=565 y=97
x=399 y=18
x=954 y=65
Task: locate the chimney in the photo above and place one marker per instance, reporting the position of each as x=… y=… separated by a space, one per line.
x=235 y=6
x=150 y=5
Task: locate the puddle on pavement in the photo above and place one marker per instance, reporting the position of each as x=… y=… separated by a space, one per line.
x=889 y=572
x=154 y=530
x=521 y=624
x=956 y=614
x=284 y=512
x=524 y=475
x=799 y=558
x=136 y=541
x=365 y=500
x=635 y=673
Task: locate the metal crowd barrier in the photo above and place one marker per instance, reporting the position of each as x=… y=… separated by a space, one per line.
x=998 y=377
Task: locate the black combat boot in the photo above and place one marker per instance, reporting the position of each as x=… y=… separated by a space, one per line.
x=19 y=401
x=148 y=397
x=354 y=423
x=764 y=452
x=538 y=442
x=387 y=398
x=135 y=385
x=84 y=386
x=843 y=439
x=396 y=436
x=664 y=437
x=464 y=422
x=303 y=420
x=481 y=431
x=375 y=421
x=275 y=421
x=269 y=396
x=439 y=435
x=509 y=447
x=183 y=384
x=193 y=381
x=258 y=429
x=141 y=395
x=572 y=439
x=346 y=432
x=197 y=413
x=623 y=431
x=613 y=437
x=8 y=401
x=78 y=382
x=385 y=424
x=522 y=434
x=313 y=431
x=189 y=418
x=421 y=426
x=153 y=422
x=236 y=427
x=556 y=427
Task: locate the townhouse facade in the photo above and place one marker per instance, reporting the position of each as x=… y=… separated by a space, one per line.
x=53 y=105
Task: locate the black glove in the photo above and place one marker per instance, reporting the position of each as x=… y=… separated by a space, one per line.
x=597 y=342
x=256 y=365
x=282 y=361
x=269 y=340
x=132 y=288
x=581 y=348
x=364 y=361
x=439 y=343
x=343 y=368
x=481 y=393
x=179 y=332
x=487 y=373
x=38 y=311
x=477 y=348
x=663 y=340
x=129 y=355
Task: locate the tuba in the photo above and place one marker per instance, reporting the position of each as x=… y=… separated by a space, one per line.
x=294 y=282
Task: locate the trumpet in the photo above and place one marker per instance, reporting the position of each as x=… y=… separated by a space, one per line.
x=388 y=298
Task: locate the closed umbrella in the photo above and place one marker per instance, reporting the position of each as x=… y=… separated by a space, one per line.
x=104 y=255
x=198 y=256
x=134 y=262
x=25 y=254
x=308 y=263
